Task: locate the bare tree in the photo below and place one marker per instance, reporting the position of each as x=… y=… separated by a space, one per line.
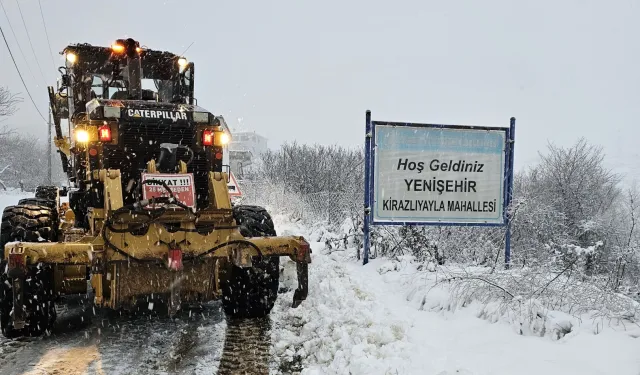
x=309 y=169
x=633 y=205
x=22 y=157
x=8 y=106
x=8 y=103
x=578 y=184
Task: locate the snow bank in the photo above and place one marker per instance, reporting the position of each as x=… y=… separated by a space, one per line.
x=341 y=328
x=389 y=317
x=533 y=302
x=520 y=337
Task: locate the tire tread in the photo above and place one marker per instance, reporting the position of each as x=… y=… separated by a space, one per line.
x=252 y=292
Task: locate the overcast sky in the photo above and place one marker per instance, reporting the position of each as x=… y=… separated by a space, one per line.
x=307 y=71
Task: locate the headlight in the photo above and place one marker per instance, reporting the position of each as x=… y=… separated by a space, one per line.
x=117 y=48
x=182 y=64
x=224 y=138
x=72 y=57
x=82 y=136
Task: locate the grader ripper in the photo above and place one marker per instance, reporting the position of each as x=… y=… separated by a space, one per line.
x=149 y=214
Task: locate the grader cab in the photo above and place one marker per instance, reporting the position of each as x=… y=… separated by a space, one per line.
x=148 y=212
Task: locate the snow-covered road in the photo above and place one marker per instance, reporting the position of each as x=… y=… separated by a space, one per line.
x=121 y=345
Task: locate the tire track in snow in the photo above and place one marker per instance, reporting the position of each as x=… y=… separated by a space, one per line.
x=198 y=341
x=247 y=347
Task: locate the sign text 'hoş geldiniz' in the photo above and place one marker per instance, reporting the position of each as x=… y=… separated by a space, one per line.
x=181 y=186
x=437 y=174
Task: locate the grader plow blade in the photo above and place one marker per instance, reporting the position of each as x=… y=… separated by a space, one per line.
x=156 y=265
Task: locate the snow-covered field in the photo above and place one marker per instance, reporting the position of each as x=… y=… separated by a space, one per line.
x=382 y=318
x=378 y=319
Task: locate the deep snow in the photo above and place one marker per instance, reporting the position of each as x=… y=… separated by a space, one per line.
x=378 y=319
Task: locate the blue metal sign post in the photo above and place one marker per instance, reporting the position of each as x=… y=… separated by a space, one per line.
x=509 y=193
x=367 y=182
x=428 y=174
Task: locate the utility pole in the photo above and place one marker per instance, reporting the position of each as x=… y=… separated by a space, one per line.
x=49 y=181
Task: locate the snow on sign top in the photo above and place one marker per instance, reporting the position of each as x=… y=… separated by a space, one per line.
x=438 y=174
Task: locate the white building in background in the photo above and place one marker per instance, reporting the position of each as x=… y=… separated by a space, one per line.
x=248 y=141
x=244 y=150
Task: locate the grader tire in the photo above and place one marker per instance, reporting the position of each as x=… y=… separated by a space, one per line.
x=28 y=223
x=47 y=192
x=252 y=292
x=43 y=202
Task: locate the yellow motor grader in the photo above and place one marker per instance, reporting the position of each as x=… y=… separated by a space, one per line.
x=148 y=211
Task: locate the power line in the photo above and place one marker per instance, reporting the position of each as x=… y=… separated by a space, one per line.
x=30 y=43
x=47 y=34
x=182 y=54
x=50 y=111
x=17 y=42
x=18 y=70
